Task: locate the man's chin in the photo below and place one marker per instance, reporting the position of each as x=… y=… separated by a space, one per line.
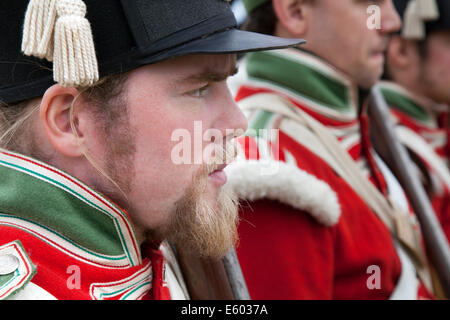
x=205 y=224
x=370 y=78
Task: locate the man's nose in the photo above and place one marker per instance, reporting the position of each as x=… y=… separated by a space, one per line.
x=390 y=20
x=232 y=121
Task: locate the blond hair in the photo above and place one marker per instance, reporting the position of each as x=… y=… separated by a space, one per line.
x=106 y=102
x=14 y=119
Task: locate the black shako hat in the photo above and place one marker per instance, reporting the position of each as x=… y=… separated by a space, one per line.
x=421 y=17
x=126 y=34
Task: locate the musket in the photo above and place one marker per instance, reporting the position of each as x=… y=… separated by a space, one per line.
x=235 y=276
x=396 y=155
x=213 y=279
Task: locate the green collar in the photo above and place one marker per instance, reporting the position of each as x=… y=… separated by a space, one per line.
x=65 y=212
x=399 y=98
x=306 y=76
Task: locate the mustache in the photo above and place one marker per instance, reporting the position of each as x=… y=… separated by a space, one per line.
x=222 y=156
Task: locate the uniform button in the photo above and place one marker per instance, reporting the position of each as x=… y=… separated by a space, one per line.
x=8 y=264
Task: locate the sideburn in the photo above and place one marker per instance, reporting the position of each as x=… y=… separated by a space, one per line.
x=120 y=146
x=111 y=111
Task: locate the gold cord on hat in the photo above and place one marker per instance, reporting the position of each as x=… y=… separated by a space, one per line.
x=58 y=31
x=416 y=13
x=38 y=29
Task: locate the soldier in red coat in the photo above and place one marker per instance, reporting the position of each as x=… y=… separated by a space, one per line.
x=91 y=93
x=418 y=61
x=320 y=210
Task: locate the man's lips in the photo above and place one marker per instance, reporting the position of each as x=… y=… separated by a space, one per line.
x=380 y=49
x=218 y=175
x=220 y=168
x=379 y=55
x=379 y=52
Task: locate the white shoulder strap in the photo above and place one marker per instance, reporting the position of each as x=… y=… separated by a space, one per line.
x=419 y=146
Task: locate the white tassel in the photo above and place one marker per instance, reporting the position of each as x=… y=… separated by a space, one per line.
x=38 y=29
x=75 y=62
x=428 y=9
x=413 y=25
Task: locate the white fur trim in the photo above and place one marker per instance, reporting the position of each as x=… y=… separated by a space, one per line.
x=258 y=179
x=33 y=292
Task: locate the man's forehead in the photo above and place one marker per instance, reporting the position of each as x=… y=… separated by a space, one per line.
x=215 y=61
x=210 y=67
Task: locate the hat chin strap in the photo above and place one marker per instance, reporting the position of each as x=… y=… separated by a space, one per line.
x=58 y=31
x=416 y=13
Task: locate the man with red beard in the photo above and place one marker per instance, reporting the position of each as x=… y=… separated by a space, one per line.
x=418 y=66
x=91 y=93
x=321 y=213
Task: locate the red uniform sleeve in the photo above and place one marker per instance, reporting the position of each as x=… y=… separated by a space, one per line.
x=284 y=253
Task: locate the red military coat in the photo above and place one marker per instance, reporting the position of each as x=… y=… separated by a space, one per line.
x=305 y=233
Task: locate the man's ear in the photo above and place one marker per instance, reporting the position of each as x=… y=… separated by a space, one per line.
x=292 y=16
x=55 y=118
x=401 y=53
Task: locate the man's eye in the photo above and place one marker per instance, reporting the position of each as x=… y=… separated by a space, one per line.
x=200 y=92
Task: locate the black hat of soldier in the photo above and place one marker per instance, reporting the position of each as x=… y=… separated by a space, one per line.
x=126 y=34
x=423 y=18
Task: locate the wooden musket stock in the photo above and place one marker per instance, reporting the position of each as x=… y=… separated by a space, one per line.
x=208 y=279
